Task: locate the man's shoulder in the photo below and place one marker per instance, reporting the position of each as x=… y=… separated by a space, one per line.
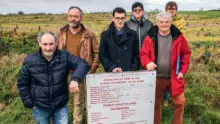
x=105 y=32
x=178 y=18
x=63 y=53
x=130 y=22
x=64 y=28
x=89 y=32
x=31 y=58
x=147 y=21
x=131 y=31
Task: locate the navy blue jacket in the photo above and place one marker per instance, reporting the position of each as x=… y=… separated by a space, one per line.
x=123 y=53
x=43 y=83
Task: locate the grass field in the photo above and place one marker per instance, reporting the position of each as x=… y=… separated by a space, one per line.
x=18 y=38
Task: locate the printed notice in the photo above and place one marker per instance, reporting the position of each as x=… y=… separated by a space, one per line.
x=121 y=98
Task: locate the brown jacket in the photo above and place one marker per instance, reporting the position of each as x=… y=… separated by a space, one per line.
x=88 y=46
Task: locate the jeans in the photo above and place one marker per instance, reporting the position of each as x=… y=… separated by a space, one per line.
x=60 y=116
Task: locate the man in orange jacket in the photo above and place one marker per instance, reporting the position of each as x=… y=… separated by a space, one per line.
x=166 y=50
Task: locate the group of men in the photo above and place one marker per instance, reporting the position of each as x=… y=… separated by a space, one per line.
x=125 y=46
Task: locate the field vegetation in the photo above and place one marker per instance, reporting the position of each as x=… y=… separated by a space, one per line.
x=18 y=39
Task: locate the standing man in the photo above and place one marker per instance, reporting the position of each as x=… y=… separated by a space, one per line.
x=166 y=50
x=118 y=49
x=138 y=22
x=177 y=20
x=83 y=43
x=42 y=81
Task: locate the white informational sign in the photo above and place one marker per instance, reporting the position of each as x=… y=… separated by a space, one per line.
x=121 y=98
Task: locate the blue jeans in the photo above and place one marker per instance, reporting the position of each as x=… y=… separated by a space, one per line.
x=60 y=116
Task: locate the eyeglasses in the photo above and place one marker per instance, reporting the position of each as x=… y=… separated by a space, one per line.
x=171 y=9
x=137 y=10
x=119 y=18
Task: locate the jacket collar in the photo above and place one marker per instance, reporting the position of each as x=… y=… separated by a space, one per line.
x=112 y=28
x=143 y=19
x=66 y=28
x=175 y=32
x=85 y=33
x=153 y=32
x=55 y=55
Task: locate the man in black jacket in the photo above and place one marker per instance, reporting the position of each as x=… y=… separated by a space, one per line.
x=42 y=81
x=118 y=50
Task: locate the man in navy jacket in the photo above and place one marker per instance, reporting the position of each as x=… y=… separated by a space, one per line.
x=42 y=81
x=118 y=50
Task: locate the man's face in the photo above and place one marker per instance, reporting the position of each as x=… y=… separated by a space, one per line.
x=119 y=20
x=172 y=10
x=138 y=12
x=164 y=24
x=48 y=45
x=74 y=18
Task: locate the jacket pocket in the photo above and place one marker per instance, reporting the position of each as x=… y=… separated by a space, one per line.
x=181 y=84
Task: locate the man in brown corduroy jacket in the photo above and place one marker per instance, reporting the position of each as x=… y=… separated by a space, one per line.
x=83 y=43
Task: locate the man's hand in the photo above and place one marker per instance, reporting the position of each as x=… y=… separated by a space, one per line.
x=73 y=87
x=115 y=70
x=151 y=66
x=180 y=75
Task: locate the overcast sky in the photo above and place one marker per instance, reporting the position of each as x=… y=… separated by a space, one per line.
x=61 y=6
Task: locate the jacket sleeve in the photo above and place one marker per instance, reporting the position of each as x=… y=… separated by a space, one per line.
x=185 y=56
x=135 y=53
x=23 y=85
x=79 y=66
x=95 y=53
x=145 y=52
x=104 y=55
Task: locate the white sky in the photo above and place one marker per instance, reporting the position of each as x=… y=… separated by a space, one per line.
x=61 y=6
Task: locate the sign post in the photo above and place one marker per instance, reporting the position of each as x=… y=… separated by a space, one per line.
x=117 y=98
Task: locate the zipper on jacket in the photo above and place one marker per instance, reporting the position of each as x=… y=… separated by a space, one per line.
x=139 y=37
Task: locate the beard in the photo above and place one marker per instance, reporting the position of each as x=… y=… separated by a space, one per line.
x=74 y=24
x=48 y=54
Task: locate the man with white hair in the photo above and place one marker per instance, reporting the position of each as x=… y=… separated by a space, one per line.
x=166 y=50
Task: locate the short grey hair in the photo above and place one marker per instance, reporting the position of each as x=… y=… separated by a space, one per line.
x=76 y=7
x=163 y=14
x=40 y=35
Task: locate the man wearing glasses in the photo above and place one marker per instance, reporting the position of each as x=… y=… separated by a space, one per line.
x=177 y=20
x=118 y=49
x=139 y=23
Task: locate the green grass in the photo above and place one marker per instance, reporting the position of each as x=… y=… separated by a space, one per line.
x=201 y=13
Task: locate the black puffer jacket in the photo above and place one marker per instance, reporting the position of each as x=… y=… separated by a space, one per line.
x=44 y=84
x=123 y=54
